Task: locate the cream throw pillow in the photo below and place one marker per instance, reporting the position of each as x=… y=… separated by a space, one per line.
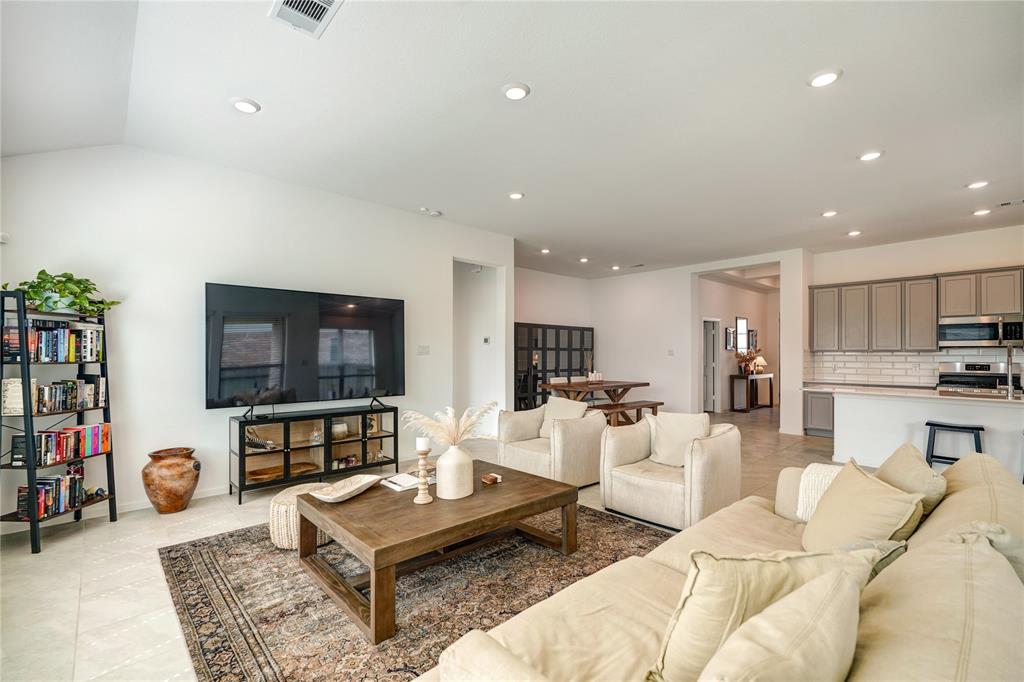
x=721 y=593
x=560 y=408
x=810 y=634
x=672 y=434
x=858 y=506
x=907 y=470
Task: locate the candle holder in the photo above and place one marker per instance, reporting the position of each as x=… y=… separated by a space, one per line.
x=423 y=489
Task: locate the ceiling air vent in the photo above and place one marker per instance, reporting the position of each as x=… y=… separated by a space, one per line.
x=308 y=16
x=1014 y=202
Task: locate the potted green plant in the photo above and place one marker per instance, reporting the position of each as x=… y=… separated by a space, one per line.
x=63 y=293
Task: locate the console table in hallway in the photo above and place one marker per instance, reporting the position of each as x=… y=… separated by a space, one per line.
x=752 y=401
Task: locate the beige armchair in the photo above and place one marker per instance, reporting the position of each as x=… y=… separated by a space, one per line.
x=673 y=496
x=572 y=454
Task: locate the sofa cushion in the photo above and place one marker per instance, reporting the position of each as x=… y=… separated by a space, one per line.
x=858 y=506
x=477 y=657
x=745 y=527
x=907 y=470
x=722 y=592
x=950 y=609
x=978 y=488
x=560 y=408
x=532 y=456
x=810 y=634
x=672 y=434
x=605 y=627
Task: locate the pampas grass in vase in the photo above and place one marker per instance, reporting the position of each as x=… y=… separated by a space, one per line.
x=455 y=466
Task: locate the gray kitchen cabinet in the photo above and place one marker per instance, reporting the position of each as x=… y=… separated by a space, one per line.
x=958 y=295
x=818 y=413
x=887 y=316
x=825 y=319
x=920 y=314
x=1000 y=292
x=854 y=316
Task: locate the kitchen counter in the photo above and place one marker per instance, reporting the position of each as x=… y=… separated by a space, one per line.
x=905 y=392
x=870 y=422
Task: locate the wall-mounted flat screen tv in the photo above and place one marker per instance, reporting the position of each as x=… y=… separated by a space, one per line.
x=272 y=346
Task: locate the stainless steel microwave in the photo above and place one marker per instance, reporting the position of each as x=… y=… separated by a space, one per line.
x=982 y=331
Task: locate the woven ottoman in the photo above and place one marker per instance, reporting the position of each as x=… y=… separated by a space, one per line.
x=284 y=519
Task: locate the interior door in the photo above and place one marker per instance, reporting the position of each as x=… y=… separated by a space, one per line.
x=710 y=365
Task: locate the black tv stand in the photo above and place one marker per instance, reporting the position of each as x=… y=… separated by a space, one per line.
x=310 y=445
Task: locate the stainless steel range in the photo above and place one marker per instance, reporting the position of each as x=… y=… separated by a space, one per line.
x=977 y=379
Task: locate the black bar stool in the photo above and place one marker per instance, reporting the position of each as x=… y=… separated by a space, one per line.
x=934 y=427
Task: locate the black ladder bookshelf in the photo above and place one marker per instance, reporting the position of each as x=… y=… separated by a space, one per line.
x=24 y=366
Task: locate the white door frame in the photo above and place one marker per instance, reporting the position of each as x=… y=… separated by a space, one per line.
x=717 y=402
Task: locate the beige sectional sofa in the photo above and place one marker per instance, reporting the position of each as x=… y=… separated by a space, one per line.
x=940 y=611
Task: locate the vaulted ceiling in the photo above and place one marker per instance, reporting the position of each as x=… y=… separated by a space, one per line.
x=655 y=133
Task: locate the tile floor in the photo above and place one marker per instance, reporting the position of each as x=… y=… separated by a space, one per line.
x=94 y=605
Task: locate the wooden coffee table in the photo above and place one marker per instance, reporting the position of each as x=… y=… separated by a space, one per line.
x=393 y=536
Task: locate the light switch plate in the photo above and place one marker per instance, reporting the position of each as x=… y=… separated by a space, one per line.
x=422 y=350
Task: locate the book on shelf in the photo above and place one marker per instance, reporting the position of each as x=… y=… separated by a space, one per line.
x=55 y=341
x=55 y=447
x=53 y=494
x=402 y=482
x=60 y=396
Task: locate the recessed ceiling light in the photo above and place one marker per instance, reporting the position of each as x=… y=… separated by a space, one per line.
x=982 y=211
x=435 y=214
x=246 y=105
x=615 y=267
x=584 y=260
x=350 y=305
x=545 y=251
x=823 y=78
x=516 y=195
x=516 y=91
x=853 y=233
x=978 y=185
x=830 y=214
x=870 y=156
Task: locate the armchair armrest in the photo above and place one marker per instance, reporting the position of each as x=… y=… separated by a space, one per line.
x=787 y=492
x=517 y=426
x=711 y=469
x=622 y=445
x=576 y=448
x=478 y=657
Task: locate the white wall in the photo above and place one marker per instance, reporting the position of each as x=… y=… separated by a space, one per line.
x=648 y=327
x=553 y=299
x=478 y=370
x=726 y=302
x=967 y=251
x=152 y=229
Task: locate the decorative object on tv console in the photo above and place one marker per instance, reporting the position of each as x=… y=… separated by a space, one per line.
x=63 y=293
x=423 y=488
x=455 y=466
x=170 y=478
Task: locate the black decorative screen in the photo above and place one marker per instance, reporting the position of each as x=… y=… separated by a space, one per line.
x=544 y=351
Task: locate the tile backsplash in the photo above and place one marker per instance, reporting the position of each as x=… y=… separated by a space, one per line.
x=887 y=369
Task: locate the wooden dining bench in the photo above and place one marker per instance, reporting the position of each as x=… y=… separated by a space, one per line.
x=619 y=413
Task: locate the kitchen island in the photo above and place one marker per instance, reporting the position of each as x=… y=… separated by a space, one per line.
x=872 y=421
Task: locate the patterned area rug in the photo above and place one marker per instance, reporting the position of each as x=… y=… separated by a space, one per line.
x=249 y=611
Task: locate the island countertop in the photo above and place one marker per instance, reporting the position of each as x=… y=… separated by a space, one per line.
x=905 y=392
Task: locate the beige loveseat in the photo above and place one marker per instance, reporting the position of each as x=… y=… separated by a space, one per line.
x=940 y=611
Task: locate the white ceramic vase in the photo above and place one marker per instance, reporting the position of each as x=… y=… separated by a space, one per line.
x=454 y=474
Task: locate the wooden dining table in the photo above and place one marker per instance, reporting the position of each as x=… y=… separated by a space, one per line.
x=615 y=390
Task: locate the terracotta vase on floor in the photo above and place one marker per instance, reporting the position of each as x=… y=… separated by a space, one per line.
x=170 y=478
